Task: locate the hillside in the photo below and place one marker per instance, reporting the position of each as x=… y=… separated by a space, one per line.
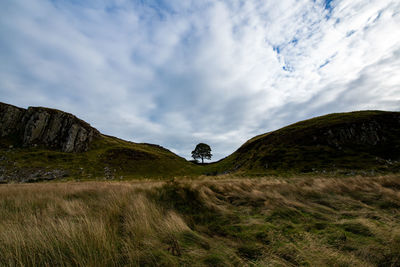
x=45 y=144
x=363 y=142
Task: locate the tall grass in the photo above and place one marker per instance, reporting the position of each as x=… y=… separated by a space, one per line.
x=90 y=224
x=225 y=222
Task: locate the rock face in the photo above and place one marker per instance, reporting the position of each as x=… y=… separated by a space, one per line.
x=51 y=128
x=10 y=119
x=364 y=133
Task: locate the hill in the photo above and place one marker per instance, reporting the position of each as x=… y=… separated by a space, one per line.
x=44 y=144
x=364 y=142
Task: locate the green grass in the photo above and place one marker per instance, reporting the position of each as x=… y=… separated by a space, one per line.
x=223 y=222
x=107 y=158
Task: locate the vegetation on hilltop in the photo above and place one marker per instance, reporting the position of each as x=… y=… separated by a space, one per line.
x=202 y=151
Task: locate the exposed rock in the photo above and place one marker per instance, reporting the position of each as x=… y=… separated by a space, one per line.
x=46 y=127
x=45 y=175
x=10 y=119
x=367 y=133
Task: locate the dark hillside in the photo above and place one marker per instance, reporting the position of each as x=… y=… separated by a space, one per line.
x=365 y=141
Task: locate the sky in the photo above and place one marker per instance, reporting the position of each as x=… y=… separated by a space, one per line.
x=177 y=73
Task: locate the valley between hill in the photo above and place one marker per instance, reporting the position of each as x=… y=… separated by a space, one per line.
x=42 y=144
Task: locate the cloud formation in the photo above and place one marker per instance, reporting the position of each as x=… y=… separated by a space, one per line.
x=177 y=73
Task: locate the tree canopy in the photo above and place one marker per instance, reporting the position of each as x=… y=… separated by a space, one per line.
x=202 y=151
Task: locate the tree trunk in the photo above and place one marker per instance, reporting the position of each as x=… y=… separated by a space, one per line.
x=202 y=160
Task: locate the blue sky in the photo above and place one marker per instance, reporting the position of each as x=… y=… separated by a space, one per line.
x=177 y=73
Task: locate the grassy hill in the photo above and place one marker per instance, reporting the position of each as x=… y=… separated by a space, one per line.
x=40 y=143
x=107 y=158
x=364 y=142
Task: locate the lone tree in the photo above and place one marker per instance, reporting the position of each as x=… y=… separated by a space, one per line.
x=202 y=151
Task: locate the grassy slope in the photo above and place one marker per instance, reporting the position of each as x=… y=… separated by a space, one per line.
x=291 y=150
x=244 y=222
x=108 y=157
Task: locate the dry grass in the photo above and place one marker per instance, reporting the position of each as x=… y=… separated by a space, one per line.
x=220 y=222
x=88 y=224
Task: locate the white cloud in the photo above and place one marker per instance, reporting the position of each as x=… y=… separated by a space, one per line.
x=181 y=72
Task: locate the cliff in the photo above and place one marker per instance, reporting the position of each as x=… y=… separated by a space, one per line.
x=50 y=128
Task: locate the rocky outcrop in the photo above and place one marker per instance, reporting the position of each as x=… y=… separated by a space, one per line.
x=30 y=175
x=370 y=133
x=38 y=126
x=10 y=119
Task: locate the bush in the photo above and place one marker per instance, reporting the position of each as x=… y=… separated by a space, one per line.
x=250 y=251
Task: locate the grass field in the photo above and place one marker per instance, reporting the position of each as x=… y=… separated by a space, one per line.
x=220 y=222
